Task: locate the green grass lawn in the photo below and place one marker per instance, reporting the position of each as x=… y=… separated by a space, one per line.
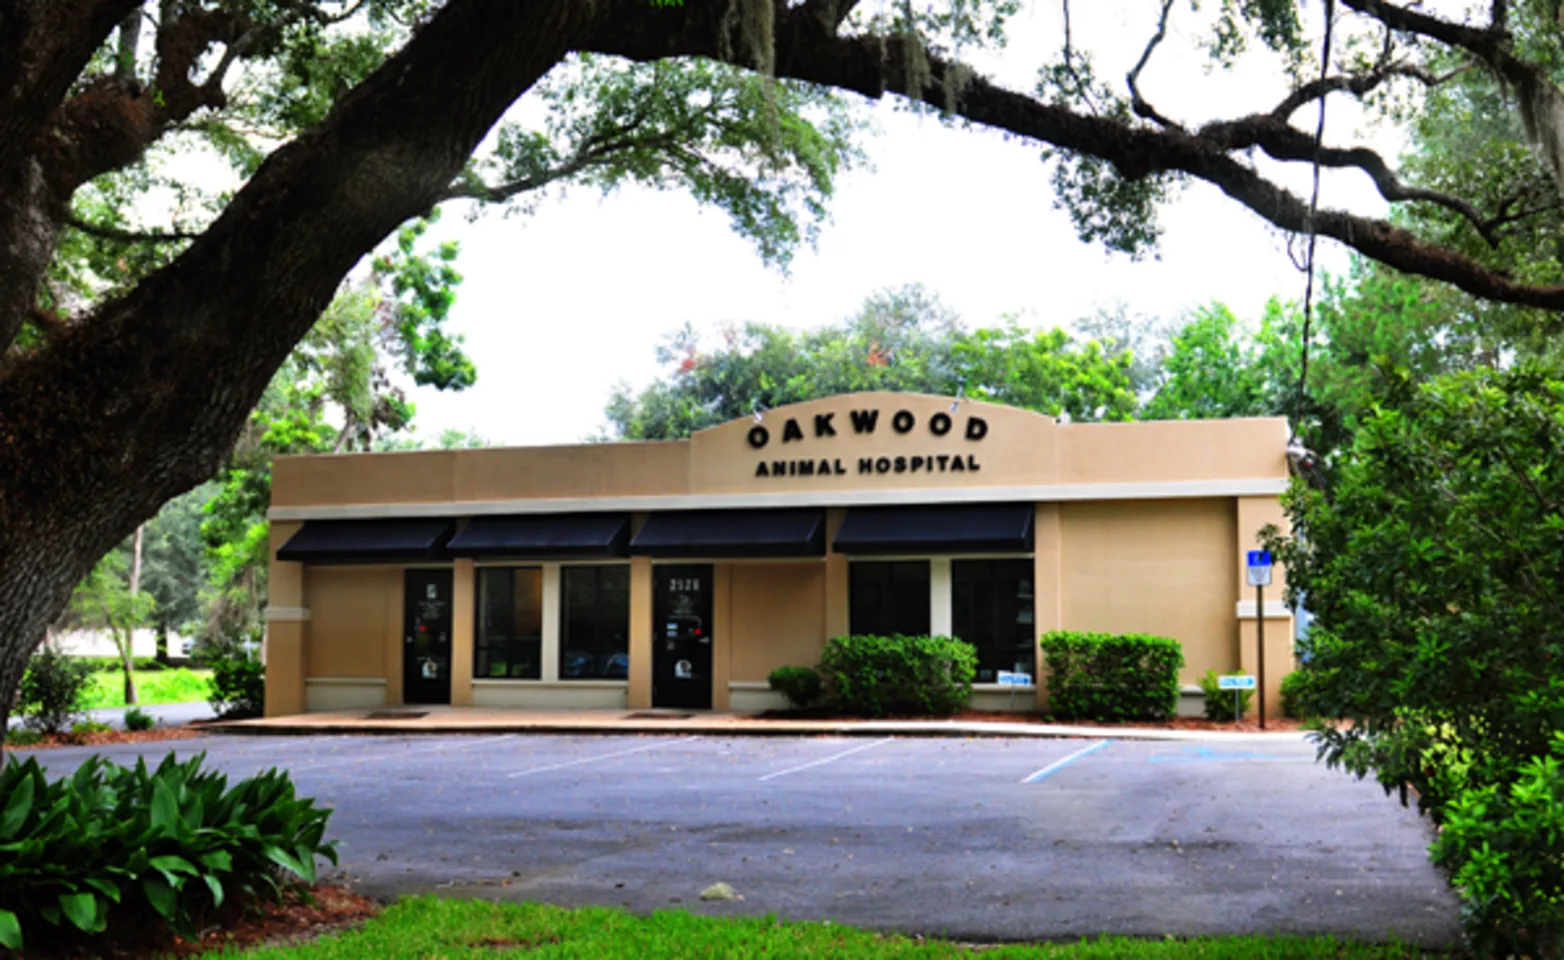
x=107 y=687
x=426 y=927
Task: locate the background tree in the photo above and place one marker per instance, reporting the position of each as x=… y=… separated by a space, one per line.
x=109 y=599
x=902 y=340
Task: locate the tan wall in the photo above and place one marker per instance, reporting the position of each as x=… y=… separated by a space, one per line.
x=1021 y=448
x=1160 y=567
x=354 y=612
x=778 y=618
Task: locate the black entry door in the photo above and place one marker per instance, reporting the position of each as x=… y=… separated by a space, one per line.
x=681 y=636
x=426 y=636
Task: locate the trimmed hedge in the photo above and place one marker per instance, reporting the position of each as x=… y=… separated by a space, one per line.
x=1109 y=677
x=875 y=676
x=801 y=685
x=172 y=846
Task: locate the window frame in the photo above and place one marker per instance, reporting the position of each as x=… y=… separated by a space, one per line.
x=482 y=647
x=562 y=620
x=1027 y=561
x=855 y=564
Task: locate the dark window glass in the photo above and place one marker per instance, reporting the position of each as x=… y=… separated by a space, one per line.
x=992 y=609
x=509 y=643
x=889 y=597
x=594 y=628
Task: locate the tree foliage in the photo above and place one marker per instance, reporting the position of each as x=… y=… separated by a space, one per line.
x=1432 y=566
x=900 y=340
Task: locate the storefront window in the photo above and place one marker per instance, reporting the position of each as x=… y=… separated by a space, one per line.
x=509 y=641
x=992 y=609
x=889 y=597
x=594 y=629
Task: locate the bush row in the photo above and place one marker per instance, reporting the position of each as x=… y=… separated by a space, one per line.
x=172 y=846
x=1109 y=677
x=877 y=676
x=53 y=686
x=1091 y=676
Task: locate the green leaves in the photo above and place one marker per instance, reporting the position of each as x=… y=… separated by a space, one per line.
x=17 y=805
x=876 y=676
x=111 y=838
x=10 y=930
x=1106 y=677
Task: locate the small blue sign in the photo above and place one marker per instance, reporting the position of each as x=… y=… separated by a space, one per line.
x=1259 y=568
x=1237 y=682
x=1014 y=679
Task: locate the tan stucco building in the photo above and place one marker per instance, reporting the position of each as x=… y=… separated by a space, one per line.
x=680 y=573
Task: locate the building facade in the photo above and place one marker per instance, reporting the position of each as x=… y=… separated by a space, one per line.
x=680 y=573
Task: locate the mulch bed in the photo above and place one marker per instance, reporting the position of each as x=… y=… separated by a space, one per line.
x=104 y=738
x=1275 y=725
x=290 y=921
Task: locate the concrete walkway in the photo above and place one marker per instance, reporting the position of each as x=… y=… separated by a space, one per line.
x=451 y=720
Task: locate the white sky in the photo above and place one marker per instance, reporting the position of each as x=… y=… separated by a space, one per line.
x=558 y=307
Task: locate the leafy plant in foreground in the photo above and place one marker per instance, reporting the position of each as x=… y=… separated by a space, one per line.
x=174 y=844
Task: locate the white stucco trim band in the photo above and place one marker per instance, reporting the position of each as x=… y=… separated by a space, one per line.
x=348 y=681
x=1274 y=610
x=1048 y=493
x=287 y=613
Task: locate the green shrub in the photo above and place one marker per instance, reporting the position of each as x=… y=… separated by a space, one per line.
x=876 y=676
x=1108 y=677
x=173 y=844
x=1219 y=702
x=238 y=686
x=1292 y=696
x=1502 y=843
x=90 y=726
x=138 y=719
x=51 y=691
x=801 y=685
x=22 y=737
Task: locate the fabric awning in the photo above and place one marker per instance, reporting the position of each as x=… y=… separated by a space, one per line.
x=948 y=528
x=368 y=541
x=733 y=533
x=544 y=535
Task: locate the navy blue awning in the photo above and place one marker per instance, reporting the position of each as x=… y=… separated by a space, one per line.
x=733 y=533
x=947 y=528
x=545 y=535
x=368 y=541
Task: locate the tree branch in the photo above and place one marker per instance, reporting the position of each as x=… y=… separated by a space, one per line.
x=1138 y=103
x=1359 y=84
x=873 y=66
x=107 y=232
x=1282 y=141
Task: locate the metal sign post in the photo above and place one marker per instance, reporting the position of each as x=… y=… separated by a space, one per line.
x=1260 y=578
x=1236 y=683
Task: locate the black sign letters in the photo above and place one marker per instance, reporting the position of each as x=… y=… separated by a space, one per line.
x=903 y=422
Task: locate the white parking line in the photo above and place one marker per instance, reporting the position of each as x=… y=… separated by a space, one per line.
x=602 y=756
x=1033 y=778
x=442 y=746
x=838 y=756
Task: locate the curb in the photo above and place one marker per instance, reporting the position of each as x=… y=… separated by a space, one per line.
x=760 y=729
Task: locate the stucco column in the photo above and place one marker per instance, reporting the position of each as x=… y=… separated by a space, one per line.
x=464 y=599
x=1254 y=513
x=285 y=647
x=939 y=597
x=548 y=663
x=722 y=634
x=836 y=580
x=639 y=695
x=1047 y=584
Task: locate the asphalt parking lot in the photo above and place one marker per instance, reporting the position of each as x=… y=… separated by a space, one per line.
x=982 y=839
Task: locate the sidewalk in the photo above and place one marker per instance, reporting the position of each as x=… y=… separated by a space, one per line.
x=449 y=720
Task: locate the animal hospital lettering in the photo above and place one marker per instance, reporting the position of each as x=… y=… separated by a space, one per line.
x=903 y=422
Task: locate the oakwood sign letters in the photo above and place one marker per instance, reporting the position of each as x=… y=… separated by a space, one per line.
x=863 y=422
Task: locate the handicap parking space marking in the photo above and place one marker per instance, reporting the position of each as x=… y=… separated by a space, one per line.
x=602 y=756
x=444 y=746
x=1202 y=754
x=825 y=760
x=1063 y=762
